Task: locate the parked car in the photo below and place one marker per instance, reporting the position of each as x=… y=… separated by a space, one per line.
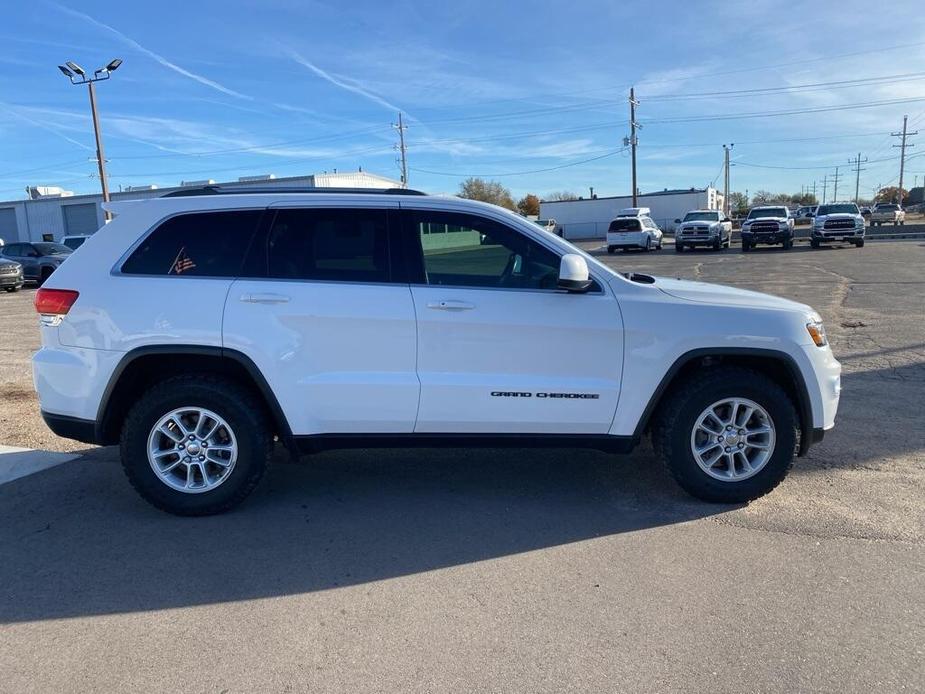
x=841 y=221
x=326 y=320
x=633 y=228
x=865 y=211
x=767 y=225
x=550 y=225
x=74 y=242
x=887 y=213
x=10 y=275
x=703 y=228
x=38 y=259
x=804 y=212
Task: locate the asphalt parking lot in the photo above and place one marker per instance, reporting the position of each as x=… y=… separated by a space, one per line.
x=516 y=570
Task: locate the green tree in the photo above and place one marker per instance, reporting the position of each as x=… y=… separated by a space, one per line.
x=529 y=204
x=487 y=191
x=738 y=205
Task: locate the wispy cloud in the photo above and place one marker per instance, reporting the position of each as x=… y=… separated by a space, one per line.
x=151 y=54
x=347 y=83
x=17 y=113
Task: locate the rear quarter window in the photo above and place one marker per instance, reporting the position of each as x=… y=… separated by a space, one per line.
x=202 y=244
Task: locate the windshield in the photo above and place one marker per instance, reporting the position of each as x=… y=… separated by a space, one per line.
x=768 y=212
x=838 y=209
x=625 y=224
x=701 y=217
x=887 y=208
x=75 y=242
x=51 y=248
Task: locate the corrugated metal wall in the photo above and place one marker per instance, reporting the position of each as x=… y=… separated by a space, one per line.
x=9 y=231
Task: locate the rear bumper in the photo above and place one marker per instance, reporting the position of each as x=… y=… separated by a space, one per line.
x=71 y=427
x=631 y=240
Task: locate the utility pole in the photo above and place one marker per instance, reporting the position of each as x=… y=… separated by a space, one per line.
x=835 y=191
x=902 y=155
x=401 y=127
x=825 y=183
x=857 y=175
x=633 y=126
x=726 y=150
x=77 y=75
x=814 y=192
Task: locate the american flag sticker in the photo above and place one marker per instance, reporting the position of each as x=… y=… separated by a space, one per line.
x=182 y=263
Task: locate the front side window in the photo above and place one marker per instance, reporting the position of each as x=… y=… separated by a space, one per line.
x=469 y=251
x=204 y=244
x=345 y=245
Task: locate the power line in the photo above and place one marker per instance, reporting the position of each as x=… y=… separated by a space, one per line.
x=521 y=173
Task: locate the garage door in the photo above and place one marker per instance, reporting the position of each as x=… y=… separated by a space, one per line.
x=80 y=219
x=8 y=231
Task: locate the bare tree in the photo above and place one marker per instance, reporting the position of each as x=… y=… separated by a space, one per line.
x=561 y=195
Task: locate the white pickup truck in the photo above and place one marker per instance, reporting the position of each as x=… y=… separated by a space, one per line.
x=887 y=213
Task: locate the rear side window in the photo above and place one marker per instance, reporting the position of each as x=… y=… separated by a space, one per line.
x=205 y=244
x=345 y=245
x=625 y=224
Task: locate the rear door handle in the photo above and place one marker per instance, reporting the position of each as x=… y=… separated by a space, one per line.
x=264 y=298
x=451 y=305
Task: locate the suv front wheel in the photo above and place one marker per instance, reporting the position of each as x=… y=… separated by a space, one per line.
x=195 y=445
x=727 y=435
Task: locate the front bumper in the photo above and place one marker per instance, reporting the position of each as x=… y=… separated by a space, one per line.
x=697 y=239
x=837 y=234
x=767 y=236
x=11 y=280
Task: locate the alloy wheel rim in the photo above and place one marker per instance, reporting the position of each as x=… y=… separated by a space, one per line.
x=733 y=439
x=192 y=450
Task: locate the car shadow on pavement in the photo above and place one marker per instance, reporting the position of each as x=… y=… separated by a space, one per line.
x=78 y=541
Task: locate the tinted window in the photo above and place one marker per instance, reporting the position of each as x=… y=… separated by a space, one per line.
x=329 y=244
x=701 y=217
x=838 y=209
x=768 y=212
x=52 y=248
x=12 y=249
x=75 y=242
x=469 y=251
x=625 y=224
x=206 y=244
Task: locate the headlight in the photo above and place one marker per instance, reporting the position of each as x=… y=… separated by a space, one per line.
x=859 y=223
x=817 y=331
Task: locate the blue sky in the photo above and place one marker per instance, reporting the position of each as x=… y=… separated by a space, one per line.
x=530 y=94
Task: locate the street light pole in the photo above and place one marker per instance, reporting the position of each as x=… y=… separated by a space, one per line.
x=77 y=75
x=100 y=157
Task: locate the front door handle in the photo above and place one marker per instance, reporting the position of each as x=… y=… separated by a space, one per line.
x=451 y=305
x=264 y=298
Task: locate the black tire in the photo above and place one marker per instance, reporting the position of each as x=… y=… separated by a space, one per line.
x=859 y=243
x=10 y=290
x=671 y=434
x=746 y=246
x=46 y=273
x=717 y=245
x=678 y=247
x=788 y=244
x=814 y=243
x=648 y=244
x=611 y=249
x=244 y=414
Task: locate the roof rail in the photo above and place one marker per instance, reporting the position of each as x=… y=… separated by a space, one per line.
x=272 y=190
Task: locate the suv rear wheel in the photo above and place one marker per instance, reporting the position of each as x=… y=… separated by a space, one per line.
x=195 y=445
x=727 y=435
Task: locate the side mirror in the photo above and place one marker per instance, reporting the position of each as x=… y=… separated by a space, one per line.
x=573 y=274
x=677 y=221
x=726 y=219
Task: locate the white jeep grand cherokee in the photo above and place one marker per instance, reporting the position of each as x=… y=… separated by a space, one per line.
x=196 y=331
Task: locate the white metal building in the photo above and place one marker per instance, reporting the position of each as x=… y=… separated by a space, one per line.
x=589 y=218
x=54 y=213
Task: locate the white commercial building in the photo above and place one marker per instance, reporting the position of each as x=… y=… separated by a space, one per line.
x=52 y=213
x=588 y=218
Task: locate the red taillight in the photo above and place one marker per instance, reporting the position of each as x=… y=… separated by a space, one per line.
x=56 y=302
